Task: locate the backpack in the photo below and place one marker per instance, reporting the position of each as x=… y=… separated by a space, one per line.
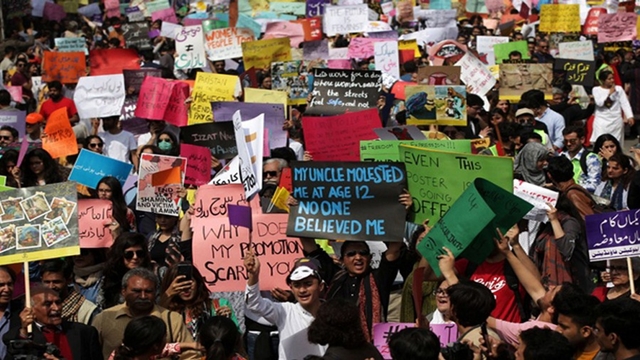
x=524 y=304
x=600 y=204
x=583 y=160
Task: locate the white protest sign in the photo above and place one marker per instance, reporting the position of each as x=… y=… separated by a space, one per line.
x=386 y=57
x=536 y=196
x=484 y=45
x=190 y=48
x=576 y=50
x=436 y=18
x=254 y=136
x=222 y=44
x=345 y=19
x=429 y=37
x=230 y=174
x=71 y=44
x=247 y=175
x=475 y=74
x=99 y=96
x=170 y=30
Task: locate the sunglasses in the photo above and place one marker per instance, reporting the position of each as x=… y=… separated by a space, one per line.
x=618 y=268
x=5 y=137
x=94 y=145
x=270 y=174
x=353 y=253
x=138 y=253
x=165 y=140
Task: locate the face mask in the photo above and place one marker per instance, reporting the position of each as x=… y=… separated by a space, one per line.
x=164 y=145
x=372 y=66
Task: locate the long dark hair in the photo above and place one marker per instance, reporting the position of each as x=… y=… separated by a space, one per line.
x=337 y=324
x=221 y=339
x=115 y=269
x=52 y=172
x=625 y=163
x=140 y=336
x=200 y=298
x=175 y=147
x=119 y=205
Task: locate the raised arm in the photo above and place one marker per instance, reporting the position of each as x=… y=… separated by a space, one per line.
x=531 y=284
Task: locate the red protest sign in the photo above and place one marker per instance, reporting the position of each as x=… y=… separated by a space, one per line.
x=162 y=99
x=113 y=61
x=198 y=164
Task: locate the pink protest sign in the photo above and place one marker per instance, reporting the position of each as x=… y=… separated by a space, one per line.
x=198 y=164
x=165 y=15
x=617 y=27
x=282 y=29
x=362 y=48
x=16 y=93
x=339 y=64
x=337 y=138
x=94 y=217
x=54 y=12
x=219 y=248
x=382 y=332
x=162 y=99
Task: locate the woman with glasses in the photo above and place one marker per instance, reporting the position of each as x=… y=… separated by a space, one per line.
x=619 y=273
x=88 y=274
x=129 y=251
x=441 y=314
x=39 y=168
x=94 y=143
x=124 y=220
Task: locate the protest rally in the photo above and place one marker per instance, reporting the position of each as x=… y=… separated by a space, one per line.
x=319 y=179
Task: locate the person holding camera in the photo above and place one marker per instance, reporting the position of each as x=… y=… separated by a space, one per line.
x=70 y=340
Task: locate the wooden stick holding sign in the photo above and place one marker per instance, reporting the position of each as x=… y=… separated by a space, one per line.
x=631 y=278
x=27 y=290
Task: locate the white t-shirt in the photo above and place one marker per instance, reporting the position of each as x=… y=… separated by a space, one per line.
x=118 y=146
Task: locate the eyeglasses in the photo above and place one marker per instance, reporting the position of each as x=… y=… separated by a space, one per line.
x=138 y=253
x=618 y=268
x=165 y=140
x=104 y=190
x=440 y=291
x=270 y=174
x=2 y=137
x=570 y=141
x=95 y=145
x=353 y=253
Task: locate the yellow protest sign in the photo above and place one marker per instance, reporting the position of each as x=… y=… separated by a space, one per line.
x=409 y=45
x=207 y=88
x=262 y=96
x=560 y=18
x=261 y=53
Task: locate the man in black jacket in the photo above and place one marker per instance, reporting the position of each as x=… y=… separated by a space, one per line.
x=9 y=309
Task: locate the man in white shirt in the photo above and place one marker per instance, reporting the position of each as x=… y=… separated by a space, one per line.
x=118 y=144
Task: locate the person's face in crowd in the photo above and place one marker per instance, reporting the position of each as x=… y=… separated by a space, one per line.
x=271 y=173
x=604 y=341
x=55 y=94
x=474 y=110
x=357 y=258
x=6 y=138
x=451 y=132
x=165 y=222
x=615 y=171
x=109 y=124
x=515 y=57
x=139 y=294
x=616 y=60
x=461 y=40
x=531 y=47
x=47 y=309
x=575 y=334
x=85 y=259
x=266 y=83
x=22 y=66
x=56 y=282
x=36 y=164
x=307 y=291
x=10 y=166
x=133 y=257
x=31 y=128
x=610 y=146
x=219 y=66
x=557 y=99
x=164 y=138
x=573 y=143
x=96 y=145
x=543 y=47
x=33 y=70
x=6 y=289
x=476 y=31
x=525 y=120
x=619 y=272
x=542 y=163
x=442 y=298
x=104 y=191
x=519 y=37
x=156 y=127
x=188 y=294
x=545 y=302
x=496 y=119
x=609 y=82
x=503 y=105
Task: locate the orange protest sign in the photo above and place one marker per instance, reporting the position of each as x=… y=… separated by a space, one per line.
x=113 y=61
x=66 y=67
x=60 y=140
x=167 y=177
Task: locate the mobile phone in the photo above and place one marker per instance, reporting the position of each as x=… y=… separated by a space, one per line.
x=186 y=270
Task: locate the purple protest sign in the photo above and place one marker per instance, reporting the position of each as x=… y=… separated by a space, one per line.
x=240 y=216
x=54 y=12
x=447 y=333
x=273 y=117
x=613 y=235
x=15 y=119
x=315 y=8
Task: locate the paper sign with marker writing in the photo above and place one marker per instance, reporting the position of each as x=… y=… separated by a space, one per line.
x=162 y=99
x=60 y=140
x=136 y=35
x=254 y=137
x=576 y=72
x=218 y=137
x=99 y=96
x=247 y=174
x=388 y=150
x=437 y=18
x=91 y=167
x=264 y=96
x=536 y=196
x=261 y=53
x=485 y=44
x=490 y=206
x=382 y=332
x=165 y=15
x=337 y=138
x=347 y=200
x=219 y=248
x=170 y=30
x=190 y=48
x=224 y=43
x=613 y=235
x=210 y=88
x=336 y=91
x=94 y=216
x=617 y=27
x=386 y=57
x=577 y=50
x=476 y=75
x=436 y=179
x=285 y=29
x=15 y=119
x=133 y=79
x=345 y=19
x=71 y=44
x=362 y=48
x=273 y=117
x=198 y=164
x=560 y=18
x=160 y=199
x=66 y=67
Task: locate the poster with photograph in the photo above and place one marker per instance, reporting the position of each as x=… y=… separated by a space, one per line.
x=39 y=223
x=293 y=77
x=161 y=178
x=515 y=79
x=436 y=104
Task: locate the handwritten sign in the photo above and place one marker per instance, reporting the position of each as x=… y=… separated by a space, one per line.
x=198 y=164
x=536 y=196
x=221 y=44
x=137 y=35
x=337 y=138
x=345 y=19
x=576 y=50
x=382 y=332
x=560 y=18
x=60 y=140
x=248 y=177
x=219 y=248
x=78 y=44
x=273 y=118
x=434 y=18
x=347 y=200
x=66 y=67
x=590 y=26
x=336 y=91
x=158 y=184
x=170 y=30
x=162 y=99
x=218 y=137
x=168 y=15
x=386 y=57
x=613 y=235
x=91 y=167
x=577 y=72
x=388 y=150
x=476 y=75
x=190 y=48
x=15 y=119
x=617 y=27
x=210 y=88
x=99 y=96
x=261 y=53
x=94 y=216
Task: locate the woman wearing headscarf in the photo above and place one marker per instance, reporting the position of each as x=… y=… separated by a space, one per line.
x=530 y=163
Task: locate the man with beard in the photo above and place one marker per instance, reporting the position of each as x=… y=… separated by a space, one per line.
x=118 y=144
x=617 y=327
x=73 y=340
x=139 y=291
x=57 y=101
x=9 y=309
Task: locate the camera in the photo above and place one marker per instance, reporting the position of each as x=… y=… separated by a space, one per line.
x=457 y=351
x=29 y=350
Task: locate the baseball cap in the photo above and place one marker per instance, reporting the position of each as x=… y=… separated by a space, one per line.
x=34 y=118
x=304 y=268
x=524 y=111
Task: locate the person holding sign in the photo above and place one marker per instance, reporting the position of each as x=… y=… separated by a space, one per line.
x=611 y=101
x=619 y=273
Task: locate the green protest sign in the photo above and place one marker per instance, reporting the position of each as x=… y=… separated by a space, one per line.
x=436 y=179
x=490 y=207
x=502 y=51
x=387 y=150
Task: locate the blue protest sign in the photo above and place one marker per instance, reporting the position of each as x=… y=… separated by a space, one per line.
x=91 y=167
